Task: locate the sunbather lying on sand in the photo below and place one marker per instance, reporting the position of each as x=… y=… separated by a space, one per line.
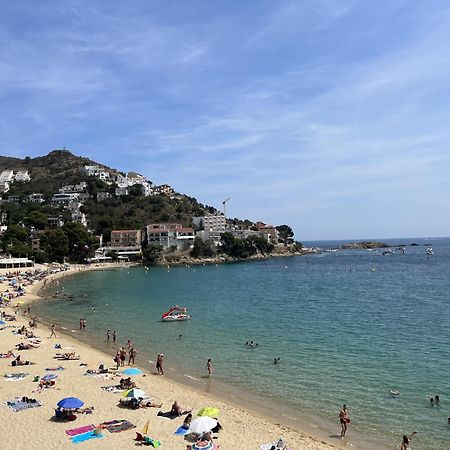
x=23 y=346
x=67 y=356
x=18 y=362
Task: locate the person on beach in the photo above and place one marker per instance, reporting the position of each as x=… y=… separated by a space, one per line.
x=406 y=441
x=276 y=360
x=129 y=345
x=108 y=335
x=123 y=356
x=187 y=422
x=132 y=355
x=81 y=324
x=209 y=368
x=53 y=334
x=344 y=420
x=117 y=359
x=84 y=324
x=114 y=335
x=159 y=364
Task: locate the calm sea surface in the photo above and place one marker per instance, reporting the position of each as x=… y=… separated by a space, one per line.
x=348 y=327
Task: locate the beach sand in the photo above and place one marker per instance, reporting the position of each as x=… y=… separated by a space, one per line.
x=242 y=429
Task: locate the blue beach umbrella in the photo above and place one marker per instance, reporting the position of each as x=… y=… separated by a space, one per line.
x=131 y=371
x=70 y=403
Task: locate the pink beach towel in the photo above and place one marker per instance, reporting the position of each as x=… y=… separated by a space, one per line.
x=81 y=430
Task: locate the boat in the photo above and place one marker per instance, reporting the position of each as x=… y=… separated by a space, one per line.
x=176 y=313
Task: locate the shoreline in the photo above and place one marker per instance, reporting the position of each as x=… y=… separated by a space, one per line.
x=297 y=433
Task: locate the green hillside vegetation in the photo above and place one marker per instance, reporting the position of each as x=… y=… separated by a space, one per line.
x=27 y=221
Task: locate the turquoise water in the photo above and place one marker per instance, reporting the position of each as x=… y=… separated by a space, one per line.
x=348 y=327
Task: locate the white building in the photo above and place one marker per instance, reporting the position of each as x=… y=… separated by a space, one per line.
x=22 y=176
x=96 y=171
x=73 y=188
x=170 y=235
x=103 y=196
x=79 y=217
x=14 y=199
x=6 y=178
x=121 y=191
x=210 y=222
x=60 y=199
x=35 y=198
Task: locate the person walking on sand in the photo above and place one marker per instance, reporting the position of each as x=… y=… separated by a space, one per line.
x=114 y=335
x=123 y=356
x=406 y=441
x=132 y=353
x=53 y=334
x=209 y=368
x=159 y=363
x=344 y=420
x=117 y=359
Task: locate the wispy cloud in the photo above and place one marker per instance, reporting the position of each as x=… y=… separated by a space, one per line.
x=294 y=109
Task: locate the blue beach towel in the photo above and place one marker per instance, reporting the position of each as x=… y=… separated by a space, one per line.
x=85 y=437
x=181 y=431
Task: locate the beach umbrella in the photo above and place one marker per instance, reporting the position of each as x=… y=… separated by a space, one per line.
x=134 y=393
x=202 y=425
x=204 y=445
x=49 y=377
x=209 y=411
x=131 y=371
x=70 y=403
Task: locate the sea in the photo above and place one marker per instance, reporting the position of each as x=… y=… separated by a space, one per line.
x=348 y=326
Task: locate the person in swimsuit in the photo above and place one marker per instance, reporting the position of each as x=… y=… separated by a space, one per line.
x=344 y=420
x=406 y=441
x=208 y=367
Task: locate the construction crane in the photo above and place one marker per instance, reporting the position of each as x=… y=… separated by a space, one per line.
x=224 y=206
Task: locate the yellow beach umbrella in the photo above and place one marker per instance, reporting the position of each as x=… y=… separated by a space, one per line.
x=146 y=427
x=209 y=411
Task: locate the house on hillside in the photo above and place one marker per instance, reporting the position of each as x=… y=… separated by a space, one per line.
x=14 y=199
x=269 y=232
x=103 y=196
x=55 y=222
x=6 y=178
x=96 y=171
x=35 y=198
x=22 y=176
x=170 y=235
x=61 y=199
x=164 y=189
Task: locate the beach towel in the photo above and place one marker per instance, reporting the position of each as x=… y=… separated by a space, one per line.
x=55 y=368
x=116 y=426
x=115 y=389
x=152 y=442
x=85 y=437
x=15 y=376
x=181 y=431
x=19 y=405
x=81 y=430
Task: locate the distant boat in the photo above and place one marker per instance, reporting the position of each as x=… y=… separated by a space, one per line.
x=176 y=313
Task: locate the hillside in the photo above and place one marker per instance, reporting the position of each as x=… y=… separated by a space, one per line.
x=61 y=168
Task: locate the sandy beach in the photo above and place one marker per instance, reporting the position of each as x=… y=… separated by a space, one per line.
x=242 y=429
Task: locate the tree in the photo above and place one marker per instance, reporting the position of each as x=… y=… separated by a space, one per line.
x=151 y=253
x=56 y=244
x=79 y=241
x=286 y=235
x=37 y=220
x=201 y=248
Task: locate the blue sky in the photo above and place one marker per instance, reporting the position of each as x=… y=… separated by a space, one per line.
x=329 y=115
